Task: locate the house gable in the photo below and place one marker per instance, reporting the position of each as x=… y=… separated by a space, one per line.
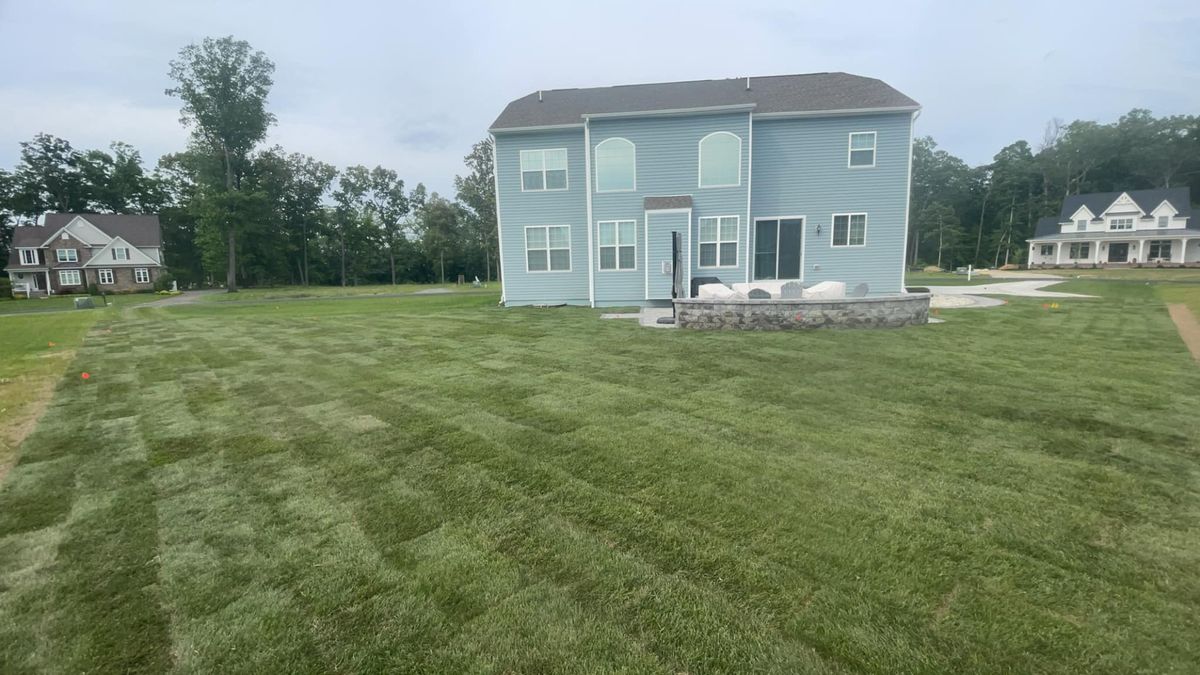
x=80 y=229
x=1124 y=204
x=104 y=257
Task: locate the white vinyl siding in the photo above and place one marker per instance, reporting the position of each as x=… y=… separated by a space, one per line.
x=67 y=255
x=1079 y=251
x=849 y=229
x=720 y=160
x=719 y=241
x=862 y=149
x=69 y=278
x=141 y=275
x=1120 y=223
x=106 y=276
x=544 y=170
x=548 y=248
x=616 y=165
x=29 y=256
x=618 y=244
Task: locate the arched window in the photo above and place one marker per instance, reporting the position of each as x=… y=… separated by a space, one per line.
x=720 y=160
x=616 y=165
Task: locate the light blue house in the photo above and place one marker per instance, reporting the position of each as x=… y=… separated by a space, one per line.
x=800 y=177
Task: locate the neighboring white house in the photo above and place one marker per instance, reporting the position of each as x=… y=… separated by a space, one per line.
x=1136 y=226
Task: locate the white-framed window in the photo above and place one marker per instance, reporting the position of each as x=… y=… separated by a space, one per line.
x=618 y=244
x=69 y=278
x=1079 y=251
x=543 y=170
x=1047 y=250
x=105 y=276
x=616 y=165
x=1081 y=224
x=548 y=248
x=66 y=255
x=120 y=253
x=1160 y=249
x=29 y=256
x=720 y=160
x=1120 y=223
x=141 y=275
x=1164 y=221
x=849 y=229
x=862 y=150
x=719 y=241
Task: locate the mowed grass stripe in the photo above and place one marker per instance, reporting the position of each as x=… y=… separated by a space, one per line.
x=438 y=485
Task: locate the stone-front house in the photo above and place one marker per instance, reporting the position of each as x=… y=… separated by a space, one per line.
x=70 y=251
x=1152 y=227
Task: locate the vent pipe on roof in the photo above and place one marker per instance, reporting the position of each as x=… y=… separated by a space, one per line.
x=747 y=84
x=539 y=95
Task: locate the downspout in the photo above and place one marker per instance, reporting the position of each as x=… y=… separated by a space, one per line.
x=908 y=199
x=499 y=234
x=587 y=170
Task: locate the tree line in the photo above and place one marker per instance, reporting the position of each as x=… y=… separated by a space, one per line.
x=237 y=213
x=982 y=215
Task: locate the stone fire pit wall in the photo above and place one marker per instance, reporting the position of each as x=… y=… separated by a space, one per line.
x=889 y=311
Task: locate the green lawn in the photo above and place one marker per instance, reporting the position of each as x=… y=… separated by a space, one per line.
x=67 y=302
x=436 y=484
x=946 y=279
x=318 y=292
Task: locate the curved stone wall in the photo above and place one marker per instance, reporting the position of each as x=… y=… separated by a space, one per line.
x=890 y=311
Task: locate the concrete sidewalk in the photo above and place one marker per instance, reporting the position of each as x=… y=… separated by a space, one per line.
x=1031 y=288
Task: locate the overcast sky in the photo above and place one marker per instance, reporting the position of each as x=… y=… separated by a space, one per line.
x=413 y=85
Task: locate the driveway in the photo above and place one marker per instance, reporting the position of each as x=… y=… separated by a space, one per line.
x=956 y=297
x=185 y=298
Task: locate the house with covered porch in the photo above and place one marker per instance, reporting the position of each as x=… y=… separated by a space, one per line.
x=1120 y=228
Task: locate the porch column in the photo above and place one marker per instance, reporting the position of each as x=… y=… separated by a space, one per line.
x=1182 y=251
x=47 y=283
x=1141 y=256
x=1058 y=253
x=1096 y=256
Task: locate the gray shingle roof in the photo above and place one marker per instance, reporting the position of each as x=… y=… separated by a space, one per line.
x=1148 y=200
x=813 y=92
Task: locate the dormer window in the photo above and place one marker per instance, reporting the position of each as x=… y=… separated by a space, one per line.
x=1163 y=221
x=29 y=256
x=120 y=253
x=1081 y=224
x=1120 y=223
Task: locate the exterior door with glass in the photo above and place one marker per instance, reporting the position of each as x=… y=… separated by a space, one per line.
x=778 y=244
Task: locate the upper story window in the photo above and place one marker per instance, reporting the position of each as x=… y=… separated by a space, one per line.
x=1081 y=224
x=29 y=256
x=720 y=160
x=618 y=244
x=1120 y=223
x=120 y=253
x=862 y=149
x=719 y=241
x=67 y=255
x=548 y=248
x=616 y=165
x=543 y=170
x=849 y=229
x=1163 y=221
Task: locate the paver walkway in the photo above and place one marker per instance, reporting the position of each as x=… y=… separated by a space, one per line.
x=1188 y=327
x=1031 y=288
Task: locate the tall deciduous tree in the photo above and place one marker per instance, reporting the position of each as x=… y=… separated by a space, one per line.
x=224 y=84
x=477 y=191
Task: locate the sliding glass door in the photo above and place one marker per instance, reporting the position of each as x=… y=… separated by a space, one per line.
x=777 y=244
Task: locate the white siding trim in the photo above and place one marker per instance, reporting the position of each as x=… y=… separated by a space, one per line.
x=541 y=127
x=587 y=178
x=803 y=229
x=749 y=189
x=850 y=149
x=596 y=182
x=702 y=110
x=736 y=240
x=567 y=170
x=849 y=220
x=618 y=245
x=838 y=112
x=912 y=123
x=499 y=232
x=548 y=248
x=700 y=161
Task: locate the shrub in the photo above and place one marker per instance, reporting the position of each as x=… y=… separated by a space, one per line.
x=932 y=268
x=93 y=289
x=163 y=282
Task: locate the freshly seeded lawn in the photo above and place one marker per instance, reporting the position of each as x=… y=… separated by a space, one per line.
x=435 y=484
x=318 y=292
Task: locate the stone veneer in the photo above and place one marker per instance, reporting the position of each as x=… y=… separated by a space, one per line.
x=891 y=311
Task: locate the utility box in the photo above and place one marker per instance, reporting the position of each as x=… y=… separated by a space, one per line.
x=84 y=303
